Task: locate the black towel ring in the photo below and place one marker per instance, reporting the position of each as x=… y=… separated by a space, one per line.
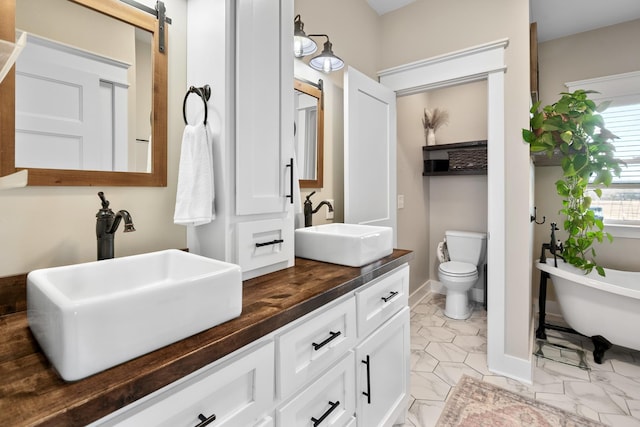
x=203 y=92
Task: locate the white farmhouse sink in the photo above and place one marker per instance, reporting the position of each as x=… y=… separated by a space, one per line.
x=90 y=317
x=352 y=245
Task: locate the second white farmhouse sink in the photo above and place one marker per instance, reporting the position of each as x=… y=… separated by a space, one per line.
x=92 y=316
x=353 y=245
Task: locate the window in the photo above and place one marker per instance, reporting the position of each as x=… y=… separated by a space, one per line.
x=620 y=203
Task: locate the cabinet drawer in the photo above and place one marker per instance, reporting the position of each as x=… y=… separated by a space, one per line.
x=238 y=392
x=328 y=402
x=264 y=243
x=309 y=348
x=382 y=299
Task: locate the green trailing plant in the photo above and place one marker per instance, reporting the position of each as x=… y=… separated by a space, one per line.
x=574 y=128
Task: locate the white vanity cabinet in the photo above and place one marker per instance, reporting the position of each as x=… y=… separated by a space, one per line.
x=242 y=49
x=236 y=392
x=345 y=364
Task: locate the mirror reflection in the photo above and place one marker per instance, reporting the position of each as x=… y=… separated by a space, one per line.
x=309 y=132
x=83 y=91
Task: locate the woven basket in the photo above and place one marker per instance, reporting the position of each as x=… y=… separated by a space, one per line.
x=467 y=159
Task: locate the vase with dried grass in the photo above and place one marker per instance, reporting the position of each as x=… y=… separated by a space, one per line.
x=432 y=120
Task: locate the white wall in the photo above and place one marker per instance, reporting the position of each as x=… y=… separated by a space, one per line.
x=50 y=226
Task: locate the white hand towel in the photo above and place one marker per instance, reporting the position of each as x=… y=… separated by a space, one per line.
x=195 y=193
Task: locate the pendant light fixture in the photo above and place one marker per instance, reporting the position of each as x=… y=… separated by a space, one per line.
x=302 y=44
x=327 y=61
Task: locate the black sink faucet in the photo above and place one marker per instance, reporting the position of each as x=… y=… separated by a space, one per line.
x=107 y=223
x=309 y=211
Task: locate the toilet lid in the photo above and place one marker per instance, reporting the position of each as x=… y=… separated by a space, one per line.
x=457 y=268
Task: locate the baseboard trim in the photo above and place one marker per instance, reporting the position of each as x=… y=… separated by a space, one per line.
x=419 y=294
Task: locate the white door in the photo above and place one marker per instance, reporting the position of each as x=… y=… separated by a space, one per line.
x=60 y=130
x=369 y=152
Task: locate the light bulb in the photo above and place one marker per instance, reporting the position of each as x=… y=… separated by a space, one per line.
x=326 y=66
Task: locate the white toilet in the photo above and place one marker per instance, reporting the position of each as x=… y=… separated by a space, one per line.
x=466 y=250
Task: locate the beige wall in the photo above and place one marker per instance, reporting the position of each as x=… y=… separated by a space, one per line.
x=435 y=204
x=596 y=53
x=50 y=226
x=426 y=29
x=358 y=48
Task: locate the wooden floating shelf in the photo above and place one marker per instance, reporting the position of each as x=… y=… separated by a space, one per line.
x=441 y=152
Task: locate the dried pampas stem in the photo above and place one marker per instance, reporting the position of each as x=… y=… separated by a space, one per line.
x=434 y=118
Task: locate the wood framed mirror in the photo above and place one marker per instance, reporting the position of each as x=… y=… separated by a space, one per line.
x=154 y=171
x=309 y=132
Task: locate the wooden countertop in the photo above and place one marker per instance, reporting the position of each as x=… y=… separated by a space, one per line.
x=32 y=393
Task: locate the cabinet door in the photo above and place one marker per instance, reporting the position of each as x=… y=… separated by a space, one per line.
x=328 y=402
x=382 y=373
x=264 y=106
x=237 y=393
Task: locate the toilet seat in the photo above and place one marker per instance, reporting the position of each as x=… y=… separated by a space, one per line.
x=458 y=269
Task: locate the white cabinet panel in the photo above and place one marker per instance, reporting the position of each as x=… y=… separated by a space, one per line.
x=311 y=347
x=238 y=393
x=383 y=373
x=382 y=299
x=328 y=402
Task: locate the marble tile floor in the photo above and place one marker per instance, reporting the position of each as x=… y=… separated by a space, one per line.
x=443 y=349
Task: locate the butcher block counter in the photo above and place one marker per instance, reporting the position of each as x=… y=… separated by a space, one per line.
x=32 y=393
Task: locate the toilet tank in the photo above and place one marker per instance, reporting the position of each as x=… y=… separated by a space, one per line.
x=466 y=246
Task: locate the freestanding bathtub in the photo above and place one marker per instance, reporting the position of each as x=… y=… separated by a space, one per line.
x=607 y=309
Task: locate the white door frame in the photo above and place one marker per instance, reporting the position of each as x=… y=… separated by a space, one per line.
x=483 y=62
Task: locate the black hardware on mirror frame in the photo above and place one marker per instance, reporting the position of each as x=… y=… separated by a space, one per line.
x=332 y=336
x=159 y=12
x=319 y=85
x=203 y=92
x=290 y=166
x=532 y=218
x=317 y=421
x=368 y=392
x=391 y=295
x=205 y=420
x=273 y=242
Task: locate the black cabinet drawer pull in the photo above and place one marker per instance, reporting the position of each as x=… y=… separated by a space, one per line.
x=391 y=295
x=368 y=392
x=205 y=421
x=332 y=336
x=273 y=242
x=317 y=421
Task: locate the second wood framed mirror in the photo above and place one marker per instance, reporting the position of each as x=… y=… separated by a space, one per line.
x=309 y=132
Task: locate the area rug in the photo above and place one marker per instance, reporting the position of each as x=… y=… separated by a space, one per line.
x=475 y=403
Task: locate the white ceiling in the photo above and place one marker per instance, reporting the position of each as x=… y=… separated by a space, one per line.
x=557 y=18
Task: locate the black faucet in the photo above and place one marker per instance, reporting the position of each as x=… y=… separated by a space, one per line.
x=107 y=223
x=309 y=211
x=554 y=247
